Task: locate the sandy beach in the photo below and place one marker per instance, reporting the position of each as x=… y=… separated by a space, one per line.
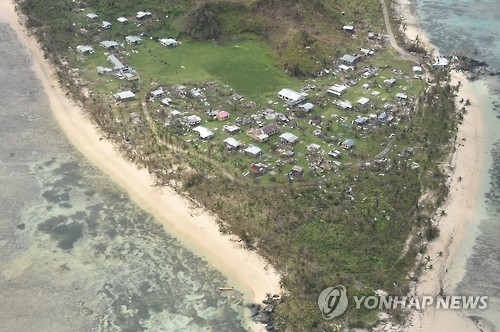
x=467 y=163
x=246 y=271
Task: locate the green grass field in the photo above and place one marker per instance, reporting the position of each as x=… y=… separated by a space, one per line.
x=246 y=66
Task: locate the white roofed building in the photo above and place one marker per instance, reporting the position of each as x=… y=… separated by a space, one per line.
x=337 y=90
x=107 y=44
x=193 y=120
x=157 y=93
x=343 y=104
x=232 y=143
x=401 y=96
x=117 y=63
x=363 y=101
x=169 y=42
x=133 y=40
x=124 y=95
x=288 y=138
x=85 y=49
x=203 y=133
x=307 y=107
x=142 y=15
x=349 y=59
x=253 y=151
x=292 y=97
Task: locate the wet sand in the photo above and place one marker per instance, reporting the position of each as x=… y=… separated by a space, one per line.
x=245 y=270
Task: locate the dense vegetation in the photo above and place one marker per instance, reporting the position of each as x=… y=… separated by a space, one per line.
x=349 y=228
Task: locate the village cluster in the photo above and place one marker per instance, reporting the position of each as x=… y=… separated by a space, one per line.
x=297 y=132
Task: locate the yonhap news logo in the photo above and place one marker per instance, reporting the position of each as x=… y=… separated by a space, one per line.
x=333 y=302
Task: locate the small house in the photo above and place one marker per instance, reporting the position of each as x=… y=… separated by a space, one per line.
x=344 y=105
x=348 y=144
x=142 y=15
x=401 y=97
x=169 y=42
x=262 y=134
x=165 y=101
x=193 y=120
x=366 y=51
x=292 y=97
x=106 y=25
x=363 y=102
x=258 y=169
x=133 y=40
x=417 y=70
x=253 y=151
x=367 y=74
x=350 y=59
x=307 y=107
x=348 y=28
x=232 y=129
x=103 y=70
x=124 y=95
x=360 y=121
x=92 y=16
x=259 y=137
x=270 y=129
x=204 y=133
x=288 y=138
x=157 y=93
x=390 y=82
x=232 y=143
x=85 y=49
x=108 y=44
x=122 y=19
x=297 y=171
x=336 y=90
x=223 y=116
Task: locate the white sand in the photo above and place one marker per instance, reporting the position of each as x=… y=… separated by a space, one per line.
x=245 y=269
x=468 y=161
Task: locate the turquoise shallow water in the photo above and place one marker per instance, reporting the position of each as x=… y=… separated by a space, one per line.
x=75 y=253
x=469 y=27
x=473 y=28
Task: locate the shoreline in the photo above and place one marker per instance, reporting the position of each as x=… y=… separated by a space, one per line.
x=467 y=164
x=245 y=270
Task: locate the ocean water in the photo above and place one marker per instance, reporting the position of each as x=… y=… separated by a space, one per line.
x=473 y=28
x=75 y=253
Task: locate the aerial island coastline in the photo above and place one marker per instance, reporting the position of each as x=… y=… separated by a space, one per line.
x=464 y=169
x=245 y=269
x=196 y=229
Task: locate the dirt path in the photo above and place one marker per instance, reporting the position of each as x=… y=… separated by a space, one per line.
x=392 y=38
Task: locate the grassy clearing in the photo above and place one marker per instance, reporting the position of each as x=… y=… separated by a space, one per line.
x=246 y=66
